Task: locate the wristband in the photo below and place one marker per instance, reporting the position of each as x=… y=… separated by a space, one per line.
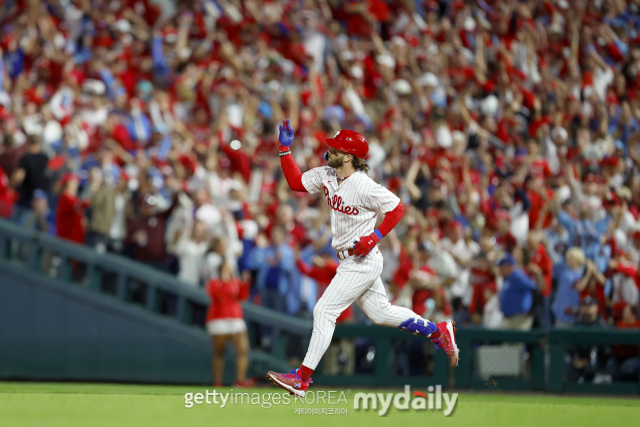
x=284 y=153
x=378 y=233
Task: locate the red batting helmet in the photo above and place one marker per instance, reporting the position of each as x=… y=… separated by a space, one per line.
x=350 y=142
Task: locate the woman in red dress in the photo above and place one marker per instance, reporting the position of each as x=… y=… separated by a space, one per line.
x=225 y=322
x=70 y=218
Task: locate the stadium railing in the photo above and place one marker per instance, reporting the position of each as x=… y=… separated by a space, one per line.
x=538 y=361
x=69 y=262
x=500 y=359
x=281 y=328
x=594 y=340
x=390 y=348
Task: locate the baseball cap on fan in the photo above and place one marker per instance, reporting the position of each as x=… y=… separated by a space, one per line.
x=40 y=195
x=507 y=260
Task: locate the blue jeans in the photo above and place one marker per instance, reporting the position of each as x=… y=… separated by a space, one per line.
x=542 y=313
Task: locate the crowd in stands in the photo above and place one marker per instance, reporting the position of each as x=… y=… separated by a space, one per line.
x=509 y=129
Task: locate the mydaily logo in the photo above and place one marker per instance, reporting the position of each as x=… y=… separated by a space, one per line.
x=403 y=401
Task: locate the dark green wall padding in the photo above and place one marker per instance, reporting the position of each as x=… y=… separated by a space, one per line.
x=53 y=331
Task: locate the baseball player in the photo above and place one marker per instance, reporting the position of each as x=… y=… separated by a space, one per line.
x=355 y=201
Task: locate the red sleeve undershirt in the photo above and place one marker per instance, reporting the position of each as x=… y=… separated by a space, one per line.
x=391 y=219
x=292 y=173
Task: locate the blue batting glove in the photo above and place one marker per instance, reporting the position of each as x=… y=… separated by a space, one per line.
x=286 y=133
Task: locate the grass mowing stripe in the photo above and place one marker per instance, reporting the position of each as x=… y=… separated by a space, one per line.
x=98 y=410
x=178 y=390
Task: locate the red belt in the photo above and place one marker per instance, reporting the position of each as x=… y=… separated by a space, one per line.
x=341 y=255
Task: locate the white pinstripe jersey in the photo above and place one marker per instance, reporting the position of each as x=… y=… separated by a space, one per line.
x=354 y=204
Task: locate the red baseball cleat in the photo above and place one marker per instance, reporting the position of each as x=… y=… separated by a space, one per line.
x=447 y=341
x=292 y=382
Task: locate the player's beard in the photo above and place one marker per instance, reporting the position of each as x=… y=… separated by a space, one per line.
x=336 y=161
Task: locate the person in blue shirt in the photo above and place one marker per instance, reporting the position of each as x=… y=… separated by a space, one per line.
x=161 y=68
x=275 y=279
x=13 y=59
x=557 y=242
x=276 y=269
x=567 y=298
x=516 y=296
x=586 y=231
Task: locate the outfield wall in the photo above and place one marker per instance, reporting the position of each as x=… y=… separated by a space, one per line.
x=55 y=331
x=50 y=331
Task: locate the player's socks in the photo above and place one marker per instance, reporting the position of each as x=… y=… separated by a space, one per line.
x=305 y=373
x=435 y=335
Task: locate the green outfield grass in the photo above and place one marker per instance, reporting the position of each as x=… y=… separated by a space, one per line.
x=96 y=405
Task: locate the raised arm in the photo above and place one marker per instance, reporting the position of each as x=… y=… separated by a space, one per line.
x=291 y=170
x=414 y=192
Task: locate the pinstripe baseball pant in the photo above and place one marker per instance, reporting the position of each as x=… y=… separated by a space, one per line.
x=357 y=279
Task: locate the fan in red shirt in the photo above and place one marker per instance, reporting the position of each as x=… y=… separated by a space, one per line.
x=427 y=285
x=539 y=118
x=482 y=277
x=200 y=129
x=361 y=15
x=285 y=218
x=112 y=130
x=225 y=321
x=405 y=264
x=592 y=285
x=322 y=271
x=624 y=278
x=540 y=265
x=540 y=268
x=420 y=296
x=70 y=217
x=540 y=198
x=498 y=227
x=7 y=196
x=539 y=165
x=240 y=161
